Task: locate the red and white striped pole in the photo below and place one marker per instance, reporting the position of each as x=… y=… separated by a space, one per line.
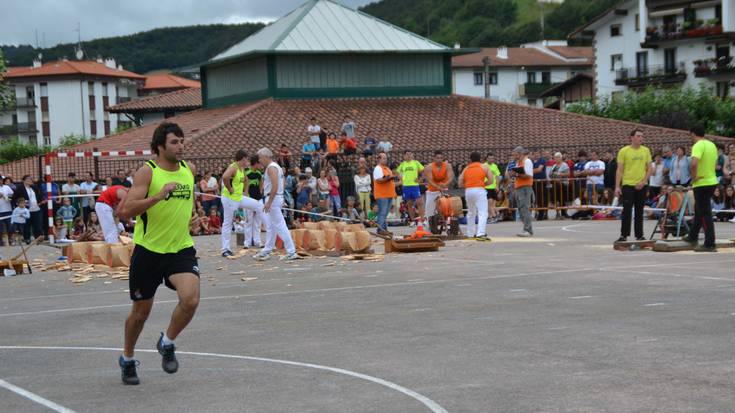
x=49 y=197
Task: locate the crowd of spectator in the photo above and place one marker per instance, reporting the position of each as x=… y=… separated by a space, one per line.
x=333 y=176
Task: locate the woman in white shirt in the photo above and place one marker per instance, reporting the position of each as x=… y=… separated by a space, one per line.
x=323 y=186
x=363 y=186
x=657 y=178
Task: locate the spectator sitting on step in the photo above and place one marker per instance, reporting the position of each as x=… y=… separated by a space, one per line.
x=78 y=229
x=215 y=222
x=60 y=228
x=718 y=204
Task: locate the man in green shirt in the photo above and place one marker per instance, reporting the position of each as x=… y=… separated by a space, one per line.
x=634 y=169
x=492 y=189
x=409 y=171
x=704 y=181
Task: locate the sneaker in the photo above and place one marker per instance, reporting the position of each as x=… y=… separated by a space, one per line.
x=227 y=253
x=169 y=363
x=484 y=238
x=732 y=220
x=688 y=240
x=525 y=234
x=641 y=239
x=384 y=232
x=128 y=372
x=622 y=239
x=245 y=247
x=260 y=256
x=290 y=257
x=704 y=248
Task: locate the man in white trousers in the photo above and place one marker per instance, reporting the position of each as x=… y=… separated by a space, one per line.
x=439 y=174
x=234 y=183
x=110 y=201
x=273 y=184
x=473 y=179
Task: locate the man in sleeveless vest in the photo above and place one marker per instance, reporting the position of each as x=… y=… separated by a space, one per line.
x=523 y=189
x=273 y=184
x=162 y=199
x=234 y=183
x=473 y=179
x=254 y=190
x=109 y=201
x=439 y=174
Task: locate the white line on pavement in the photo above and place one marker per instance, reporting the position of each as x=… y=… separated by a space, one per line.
x=34 y=397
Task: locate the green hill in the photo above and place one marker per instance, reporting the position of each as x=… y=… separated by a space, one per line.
x=469 y=22
x=164 y=48
x=487 y=22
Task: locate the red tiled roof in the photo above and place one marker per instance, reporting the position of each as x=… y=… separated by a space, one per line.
x=519 y=56
x=572 y=52
x=186 y=99
x=169 y=81
x=69 y=67
x=452 y=123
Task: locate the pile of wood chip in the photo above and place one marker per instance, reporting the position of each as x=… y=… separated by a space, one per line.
x=87 y=272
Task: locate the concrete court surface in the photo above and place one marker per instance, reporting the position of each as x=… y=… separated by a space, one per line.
x=557 y=323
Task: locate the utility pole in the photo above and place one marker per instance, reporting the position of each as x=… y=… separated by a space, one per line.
x=486 y=64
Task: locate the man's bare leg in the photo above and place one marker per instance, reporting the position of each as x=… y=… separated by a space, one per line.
x=187 y=288
x=134 y=324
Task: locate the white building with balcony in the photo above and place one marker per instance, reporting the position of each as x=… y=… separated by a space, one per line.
x=57 y=99
x=519 y=74
x=663 y=43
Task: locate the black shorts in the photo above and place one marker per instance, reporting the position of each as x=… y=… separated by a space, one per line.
x=149 y=269
x=492 y=194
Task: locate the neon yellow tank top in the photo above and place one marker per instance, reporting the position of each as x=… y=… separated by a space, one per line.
x=164 y=227
x=238 y=184
x=496 y=173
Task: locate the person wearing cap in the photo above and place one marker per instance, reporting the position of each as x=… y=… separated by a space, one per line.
x=523 y=188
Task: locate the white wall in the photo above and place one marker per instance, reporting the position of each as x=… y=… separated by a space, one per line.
x=509 y=81
x=65 y=104
x=628 y=45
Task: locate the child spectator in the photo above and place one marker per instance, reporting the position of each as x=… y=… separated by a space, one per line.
x=239 y=225
x=349 y=144
x=718 y=204
x=350 y=211
x=215 y=222
x=332 y=146
x=195 y=225
x=61 y=229
x=94 y=227
x=78 y=229
x=19 y=218
x=373 y=213
x=67 y=213
x=203 y=222
x=303 y=192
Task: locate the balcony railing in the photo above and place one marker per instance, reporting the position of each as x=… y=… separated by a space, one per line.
x=534 y=90
x=680 y=31
x=714 y=67
x=18 y=103
x=24 y=128
x=650 y=75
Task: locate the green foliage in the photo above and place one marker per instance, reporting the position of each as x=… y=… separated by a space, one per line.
x=6 y=95
x=71 y=140
x=487 y=23
x=165 y=48
x=13 y=150
x=671 y=108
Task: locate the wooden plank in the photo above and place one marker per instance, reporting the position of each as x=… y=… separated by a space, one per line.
x=675 y=246
x=633 y=245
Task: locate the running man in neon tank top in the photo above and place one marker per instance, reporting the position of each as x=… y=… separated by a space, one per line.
x=234 y=184
x=162 y=199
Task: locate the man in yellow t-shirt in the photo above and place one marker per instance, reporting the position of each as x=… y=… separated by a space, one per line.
x=631 y=177
x=409 y=171
x=704 y=180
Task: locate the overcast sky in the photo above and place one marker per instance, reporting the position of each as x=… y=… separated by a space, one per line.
x=57 y=19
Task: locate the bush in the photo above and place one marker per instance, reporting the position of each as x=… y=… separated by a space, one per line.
x=13 y=150
x=670 y=108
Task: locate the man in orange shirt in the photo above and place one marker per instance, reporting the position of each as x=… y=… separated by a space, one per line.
x=332 y=146
x=439 y=174
x=385 y=191
x=473 y=179
x=523 y=189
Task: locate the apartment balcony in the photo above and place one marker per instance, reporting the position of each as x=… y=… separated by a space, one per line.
x=699 y=29
x=534 y=90
x=25 y=128
x=722 y=67
x=18 y=103
x=651 y=75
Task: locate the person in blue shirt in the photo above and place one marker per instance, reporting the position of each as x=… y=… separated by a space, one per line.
x=539 y=184
x=308 y=151
x=678 y=169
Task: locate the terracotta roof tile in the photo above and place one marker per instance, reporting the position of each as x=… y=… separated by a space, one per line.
x=69 y=67
x=571 y=52
x=185 y=99
x=169 y=81
x=520 y=56
x=456 y=124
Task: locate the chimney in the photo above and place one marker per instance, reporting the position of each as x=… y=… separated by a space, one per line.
x=37 y=62
x=502 y=52
x=110 y=62
x=119 y=67
x=457 y=46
